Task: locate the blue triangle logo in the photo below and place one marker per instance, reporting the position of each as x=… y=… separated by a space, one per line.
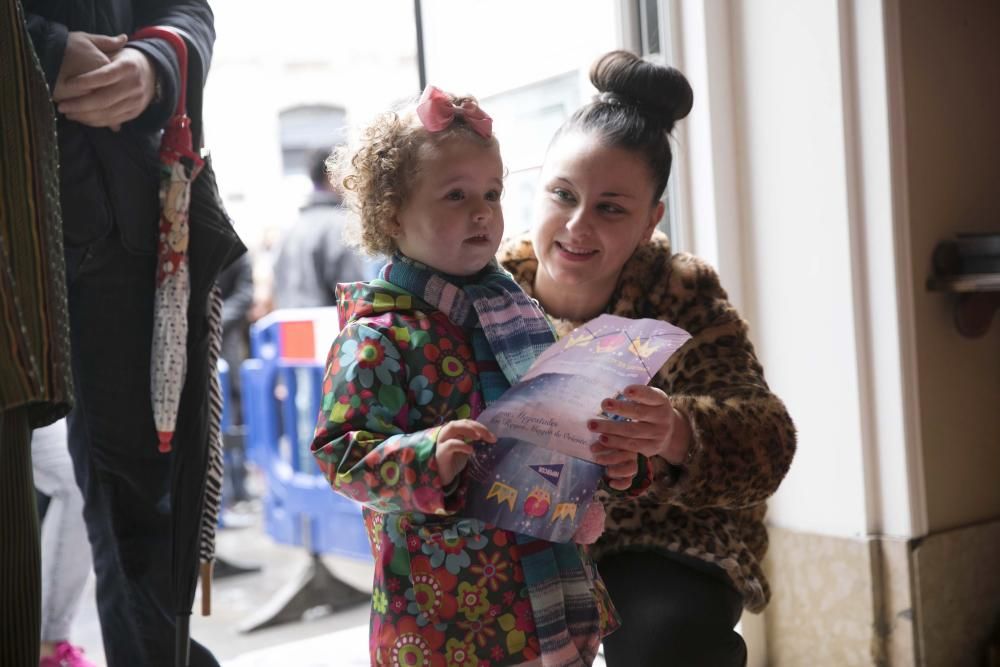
x=551 y=472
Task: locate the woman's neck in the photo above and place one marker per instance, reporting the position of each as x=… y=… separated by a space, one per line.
x=574 y=303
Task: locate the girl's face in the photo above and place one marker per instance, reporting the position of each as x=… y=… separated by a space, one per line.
x=595 y=206
x=451 y=220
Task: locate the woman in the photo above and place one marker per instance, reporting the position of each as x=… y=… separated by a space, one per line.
x=682 y=560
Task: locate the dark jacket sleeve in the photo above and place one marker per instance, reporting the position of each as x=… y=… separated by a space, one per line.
x=194 y=20
x=49 y=39
x=338 y=262
x=236 y=283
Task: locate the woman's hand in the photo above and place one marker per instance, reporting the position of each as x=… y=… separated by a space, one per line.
x=454 y=446
x=655 y=428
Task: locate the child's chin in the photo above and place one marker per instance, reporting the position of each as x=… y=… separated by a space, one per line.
x=467 y=270
x=473 y=263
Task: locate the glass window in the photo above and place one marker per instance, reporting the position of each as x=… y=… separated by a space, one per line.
x=305 y=130
x=649 y=10
x=285 y=83
x=653 y=16
x=326 y=65
x=529 y=73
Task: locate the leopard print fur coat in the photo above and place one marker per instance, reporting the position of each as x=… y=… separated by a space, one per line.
x=742 y=437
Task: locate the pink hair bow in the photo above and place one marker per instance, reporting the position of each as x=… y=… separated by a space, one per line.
x=437 y=111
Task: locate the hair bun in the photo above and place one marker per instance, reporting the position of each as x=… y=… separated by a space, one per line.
x=625 y=79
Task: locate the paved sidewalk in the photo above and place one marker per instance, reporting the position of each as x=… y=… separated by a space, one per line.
x=323 y=640
x=235 y=599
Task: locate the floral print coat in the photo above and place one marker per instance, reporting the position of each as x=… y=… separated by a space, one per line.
x=448 y=590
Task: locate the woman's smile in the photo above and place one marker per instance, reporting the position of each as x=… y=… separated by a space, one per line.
x=574 y=253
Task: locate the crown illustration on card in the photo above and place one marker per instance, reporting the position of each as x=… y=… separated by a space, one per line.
x=578 y=338
x=564 y=511
x=644 y=348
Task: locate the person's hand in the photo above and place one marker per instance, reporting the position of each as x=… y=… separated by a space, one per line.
x=454 y=446
x=592 y=524
x=84 y=53
x=113 y=93
x=655 y=428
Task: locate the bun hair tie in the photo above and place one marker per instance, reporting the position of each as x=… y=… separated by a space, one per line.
x=614 y=99
x=437 y=110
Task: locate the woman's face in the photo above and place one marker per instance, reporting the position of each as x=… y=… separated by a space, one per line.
x=595 y=206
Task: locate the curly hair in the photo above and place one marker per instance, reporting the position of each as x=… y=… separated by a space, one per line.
x=378 y=174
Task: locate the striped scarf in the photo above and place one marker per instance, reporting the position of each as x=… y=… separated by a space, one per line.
x=509 y=331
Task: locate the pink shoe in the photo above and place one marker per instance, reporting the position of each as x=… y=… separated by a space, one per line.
x=66 y=655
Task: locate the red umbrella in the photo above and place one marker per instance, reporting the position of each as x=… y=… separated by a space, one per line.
x=179 y=165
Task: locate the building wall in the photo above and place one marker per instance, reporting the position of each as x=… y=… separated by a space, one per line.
x=951 y=79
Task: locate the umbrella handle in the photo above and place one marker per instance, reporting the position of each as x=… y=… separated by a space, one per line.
x=182 y=641
x=176 y=42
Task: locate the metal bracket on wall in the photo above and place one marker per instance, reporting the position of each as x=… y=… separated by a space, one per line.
x=969 y=267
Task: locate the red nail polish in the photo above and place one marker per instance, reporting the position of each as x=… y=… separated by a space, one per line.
x=592 y=425
x=603 y=439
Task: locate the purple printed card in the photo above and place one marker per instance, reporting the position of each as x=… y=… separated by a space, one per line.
x=539 y=478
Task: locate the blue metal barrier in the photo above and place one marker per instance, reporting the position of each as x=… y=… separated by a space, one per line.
x=227 y=412
x=282 y=390
x=281 y=393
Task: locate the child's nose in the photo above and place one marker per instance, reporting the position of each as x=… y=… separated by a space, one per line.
x=482 y=212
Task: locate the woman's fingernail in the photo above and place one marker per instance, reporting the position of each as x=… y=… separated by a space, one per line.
x=603 y=439
x=592 y=425
x=608 y=404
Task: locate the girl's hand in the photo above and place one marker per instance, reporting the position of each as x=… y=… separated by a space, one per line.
x=454 y=446
x=656 y=429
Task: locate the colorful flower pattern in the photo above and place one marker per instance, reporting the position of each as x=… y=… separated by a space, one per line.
x=448 y=590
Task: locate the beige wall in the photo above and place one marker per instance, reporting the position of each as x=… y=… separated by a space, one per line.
x=951 y=79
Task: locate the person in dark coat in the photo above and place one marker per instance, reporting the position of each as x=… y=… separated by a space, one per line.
x=236 y=286
x=113 y=96
x=314 y=255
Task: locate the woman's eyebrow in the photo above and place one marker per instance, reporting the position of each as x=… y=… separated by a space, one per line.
x=608 y=193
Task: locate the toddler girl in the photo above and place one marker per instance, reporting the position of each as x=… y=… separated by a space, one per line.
x=441 y=333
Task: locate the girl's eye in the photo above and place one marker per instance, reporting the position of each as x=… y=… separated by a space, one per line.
x=493 y=195
x=455 y=195
x=562 y=194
